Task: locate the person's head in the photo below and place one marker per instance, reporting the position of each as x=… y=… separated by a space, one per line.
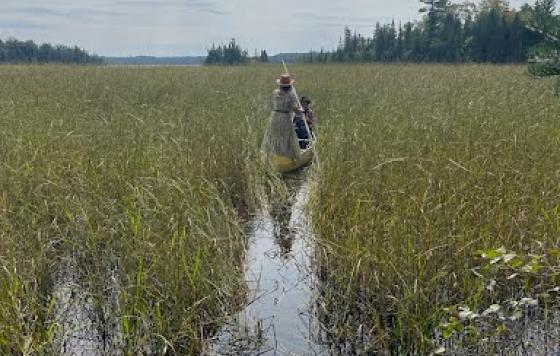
x=305 y=101
x=285 y=81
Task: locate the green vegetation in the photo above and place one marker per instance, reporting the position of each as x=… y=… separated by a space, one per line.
x=14 y=51
x=264 y=57
x=137 y=170
x=546 y=61
x=228 y=54
x=490 y=31
x=426 y=172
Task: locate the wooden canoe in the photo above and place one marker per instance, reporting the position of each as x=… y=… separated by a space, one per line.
x=285 y=164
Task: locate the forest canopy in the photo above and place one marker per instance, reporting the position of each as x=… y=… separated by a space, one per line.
x=448 y=32
x=228 y=54
x=26 y=52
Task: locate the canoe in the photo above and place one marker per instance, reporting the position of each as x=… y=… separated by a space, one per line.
x=284 y=164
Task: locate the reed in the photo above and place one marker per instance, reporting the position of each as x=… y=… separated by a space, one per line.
x=138 y=174
x=141 y=178
x=423 y=170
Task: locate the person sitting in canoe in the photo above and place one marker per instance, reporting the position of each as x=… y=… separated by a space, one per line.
x=308 y=112
x=301 y=118
x=280 y=138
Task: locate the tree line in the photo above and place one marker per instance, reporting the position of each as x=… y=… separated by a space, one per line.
x=448 y=32
x=232 y=54
x=227 y=54
x=15 y=51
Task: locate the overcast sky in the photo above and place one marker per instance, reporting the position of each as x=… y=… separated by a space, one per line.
x=189 y=27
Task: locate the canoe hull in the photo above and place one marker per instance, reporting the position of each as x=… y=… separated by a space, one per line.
x=285 y=164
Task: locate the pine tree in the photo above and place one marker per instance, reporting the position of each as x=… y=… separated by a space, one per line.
x=228 y=54
x=450 y=32
x=15 y=51
x=264 y=56
x=546 y=60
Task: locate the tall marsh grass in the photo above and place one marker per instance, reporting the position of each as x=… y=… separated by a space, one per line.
x=142 y=174
x=138 y=173
x=423 y=170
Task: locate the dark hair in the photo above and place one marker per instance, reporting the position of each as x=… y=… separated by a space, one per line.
x=286 y=88
x=305 y=99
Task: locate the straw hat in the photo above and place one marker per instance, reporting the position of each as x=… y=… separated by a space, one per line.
x=285 y=80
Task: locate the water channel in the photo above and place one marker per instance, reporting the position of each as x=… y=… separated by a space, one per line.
x=278 y=318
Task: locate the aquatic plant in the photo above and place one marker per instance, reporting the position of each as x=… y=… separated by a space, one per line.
x=138 y=174
x=422 y=166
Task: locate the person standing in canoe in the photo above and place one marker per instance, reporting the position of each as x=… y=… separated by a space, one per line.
x=280 y=137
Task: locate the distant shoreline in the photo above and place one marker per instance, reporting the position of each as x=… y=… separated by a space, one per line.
x=183 y=60
x=151 y=65
x=155 y=61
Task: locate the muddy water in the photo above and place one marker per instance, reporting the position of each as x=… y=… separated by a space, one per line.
x=84 y=326
x=537 y=334
x=277 y=319
x=75 y=313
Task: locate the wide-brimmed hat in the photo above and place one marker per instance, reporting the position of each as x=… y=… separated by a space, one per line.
x=285 y=80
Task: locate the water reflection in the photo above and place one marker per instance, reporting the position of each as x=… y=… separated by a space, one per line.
x=276 y=319
x=281 y=209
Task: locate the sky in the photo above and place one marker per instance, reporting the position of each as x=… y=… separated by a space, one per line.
x=189 y=27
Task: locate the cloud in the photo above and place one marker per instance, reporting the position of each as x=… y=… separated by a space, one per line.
x=66 y=13
x=206 y=6
x=371 y=20
x=181 y=27
x=353 y=22
x=39 y=11
x=26 y=25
